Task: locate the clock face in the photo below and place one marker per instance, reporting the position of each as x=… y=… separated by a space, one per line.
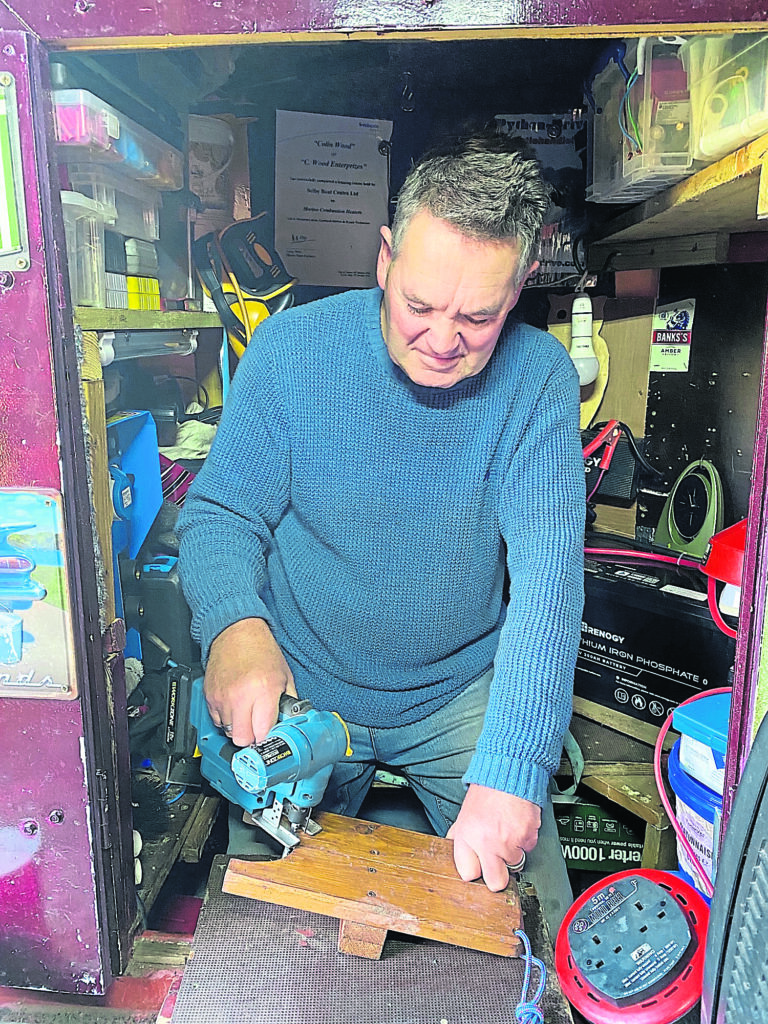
x=690 y=506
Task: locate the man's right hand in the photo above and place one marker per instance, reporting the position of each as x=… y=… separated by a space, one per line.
x=245 y=677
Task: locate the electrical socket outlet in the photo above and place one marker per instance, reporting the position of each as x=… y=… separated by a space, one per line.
x=629 y=938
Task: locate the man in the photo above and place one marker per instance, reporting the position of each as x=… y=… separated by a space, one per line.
x=382 y=456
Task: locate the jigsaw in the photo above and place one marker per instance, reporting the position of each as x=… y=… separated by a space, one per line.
x=280 y=781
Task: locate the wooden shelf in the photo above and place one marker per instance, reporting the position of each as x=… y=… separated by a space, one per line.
x=692 y=221
x=142 y=319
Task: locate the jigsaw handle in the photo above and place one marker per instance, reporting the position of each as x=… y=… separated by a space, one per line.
x=294 y=762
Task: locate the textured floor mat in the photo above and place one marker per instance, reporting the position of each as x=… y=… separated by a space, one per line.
x=255 y=963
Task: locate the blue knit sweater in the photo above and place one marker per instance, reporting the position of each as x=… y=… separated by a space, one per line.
x=367 y=519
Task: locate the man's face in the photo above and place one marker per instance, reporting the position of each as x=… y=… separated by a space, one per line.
x=446 y=298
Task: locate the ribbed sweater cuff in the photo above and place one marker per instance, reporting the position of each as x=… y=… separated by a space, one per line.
x=528 y=781
x=224 y=613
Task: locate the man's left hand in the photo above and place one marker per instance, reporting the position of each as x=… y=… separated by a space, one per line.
x=493 y=830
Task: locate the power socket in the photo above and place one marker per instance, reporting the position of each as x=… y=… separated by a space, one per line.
x=629 y=938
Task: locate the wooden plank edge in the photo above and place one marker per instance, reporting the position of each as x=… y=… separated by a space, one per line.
x=373 y=914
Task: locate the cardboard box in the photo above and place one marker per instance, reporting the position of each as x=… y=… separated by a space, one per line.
x=594 y=840
x=648 y=642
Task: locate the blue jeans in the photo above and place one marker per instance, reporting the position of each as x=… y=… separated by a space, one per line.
x=433 y=755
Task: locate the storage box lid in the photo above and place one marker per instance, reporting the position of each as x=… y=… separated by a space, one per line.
x=705 y=720
x=81 y=203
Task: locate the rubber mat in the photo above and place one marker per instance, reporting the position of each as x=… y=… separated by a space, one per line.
x=257 y=963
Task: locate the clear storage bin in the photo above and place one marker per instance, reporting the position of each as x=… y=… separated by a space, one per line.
x=211 y=143
x=639 y=124
x=87 y=128
x=84 y=232
x=130 y=208
x=728 y=80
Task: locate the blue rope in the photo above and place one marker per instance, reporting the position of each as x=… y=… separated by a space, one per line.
x=528 y=1010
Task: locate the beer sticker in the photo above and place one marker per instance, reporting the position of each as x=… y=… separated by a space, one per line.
x=671 y=340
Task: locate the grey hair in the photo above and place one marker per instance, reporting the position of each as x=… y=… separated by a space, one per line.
x=486 y=187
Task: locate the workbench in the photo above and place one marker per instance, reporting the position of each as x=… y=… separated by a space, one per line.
x=261 y=963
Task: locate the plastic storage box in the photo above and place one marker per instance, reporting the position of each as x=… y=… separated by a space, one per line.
x=703 y=728
x=728 y=81
x=84 y=231
x=87 y=128
x=639 y=124
x=211 y=143
x=130 y=208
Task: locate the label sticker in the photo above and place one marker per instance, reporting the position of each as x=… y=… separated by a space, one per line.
x=671 y=340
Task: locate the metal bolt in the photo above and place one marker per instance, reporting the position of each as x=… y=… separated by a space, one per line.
x=30 y=828
x=5 y=79
x=22 y=263
x=371 y=892
x=371 y=871
x=56 y=817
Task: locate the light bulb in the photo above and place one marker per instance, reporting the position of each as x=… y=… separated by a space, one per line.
x=582 y=352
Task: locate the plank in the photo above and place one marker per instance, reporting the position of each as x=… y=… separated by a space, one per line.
x=726 y=196
x=634 y=791
x=361 y=939
x=92 y=319
x=201 y=823
x=384 y=878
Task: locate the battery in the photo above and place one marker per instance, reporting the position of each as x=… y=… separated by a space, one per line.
x=647 y=643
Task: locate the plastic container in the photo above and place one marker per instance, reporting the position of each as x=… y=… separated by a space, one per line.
x=117 y=291
x=728 y=81
x=653 y=108
x=84 y=231
x=699 y=811
x=87 y=128
x=703 y=728
x=130 y=208
x=143 y=292
x=211 y=144
x=141 y=258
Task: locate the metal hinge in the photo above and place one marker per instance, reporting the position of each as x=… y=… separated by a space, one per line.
x=113 y=637
x=102 y=806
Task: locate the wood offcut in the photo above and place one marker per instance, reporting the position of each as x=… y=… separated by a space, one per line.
x=375 y=879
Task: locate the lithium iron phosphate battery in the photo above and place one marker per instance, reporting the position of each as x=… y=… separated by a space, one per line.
x=647 y=643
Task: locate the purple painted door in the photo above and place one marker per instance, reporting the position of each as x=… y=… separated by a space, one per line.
x=59 y=844
x=241 y=20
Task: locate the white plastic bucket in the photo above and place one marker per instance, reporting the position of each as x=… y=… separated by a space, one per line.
x=698 y=810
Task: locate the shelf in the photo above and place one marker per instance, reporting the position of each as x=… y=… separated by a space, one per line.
x=91 y=319
x=692 y=221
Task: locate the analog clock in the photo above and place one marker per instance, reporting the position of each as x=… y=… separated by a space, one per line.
x=693 y=510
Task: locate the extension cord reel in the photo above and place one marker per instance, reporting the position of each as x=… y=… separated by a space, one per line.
x=631 y=948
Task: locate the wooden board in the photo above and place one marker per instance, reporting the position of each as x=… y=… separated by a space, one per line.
x=626 y=329
x=727 y=196
x=380 y=878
